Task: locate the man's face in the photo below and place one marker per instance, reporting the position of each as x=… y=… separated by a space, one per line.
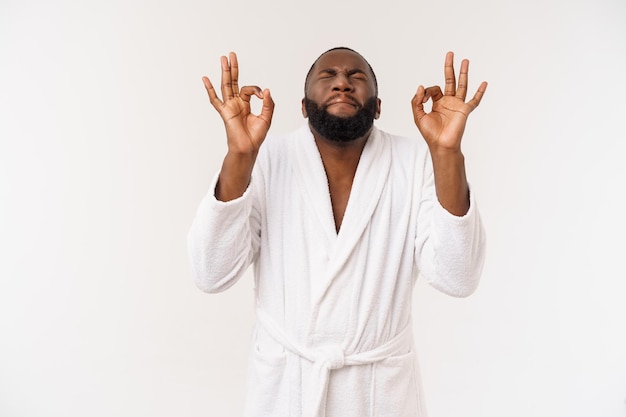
x=340 y=99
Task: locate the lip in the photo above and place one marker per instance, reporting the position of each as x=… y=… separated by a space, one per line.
x=341 y=104
x=342 y=100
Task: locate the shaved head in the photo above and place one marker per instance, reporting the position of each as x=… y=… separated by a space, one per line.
x=338 y=48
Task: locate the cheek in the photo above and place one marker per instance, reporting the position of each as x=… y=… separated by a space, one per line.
x=318 y=87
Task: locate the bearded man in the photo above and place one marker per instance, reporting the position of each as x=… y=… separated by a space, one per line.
x=338 y=219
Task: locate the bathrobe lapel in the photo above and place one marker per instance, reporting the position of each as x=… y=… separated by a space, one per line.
x=369 y=181
x=371 y=176
x=311 y=178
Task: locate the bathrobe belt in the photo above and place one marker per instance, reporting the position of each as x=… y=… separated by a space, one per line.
x=329 y=357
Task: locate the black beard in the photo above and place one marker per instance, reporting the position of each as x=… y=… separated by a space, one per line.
x=341 y=129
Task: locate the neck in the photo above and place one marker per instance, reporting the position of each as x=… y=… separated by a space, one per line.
x=342 y=152
x=340 y=159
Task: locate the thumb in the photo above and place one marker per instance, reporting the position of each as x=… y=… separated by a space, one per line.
x=417 y=103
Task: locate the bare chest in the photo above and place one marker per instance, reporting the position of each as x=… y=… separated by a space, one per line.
x=339 y=190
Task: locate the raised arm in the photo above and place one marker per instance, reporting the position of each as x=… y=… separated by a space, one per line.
x=443 y=129
x=245 y=131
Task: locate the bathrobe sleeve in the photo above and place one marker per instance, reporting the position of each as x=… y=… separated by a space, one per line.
x=223 y=239
x=449 y=249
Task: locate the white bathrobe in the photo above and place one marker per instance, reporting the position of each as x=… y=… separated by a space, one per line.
x=334 y=333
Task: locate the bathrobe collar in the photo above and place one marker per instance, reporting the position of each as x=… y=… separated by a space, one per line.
x=370 y=178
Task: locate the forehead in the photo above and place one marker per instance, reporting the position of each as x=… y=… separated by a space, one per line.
x=341 y=59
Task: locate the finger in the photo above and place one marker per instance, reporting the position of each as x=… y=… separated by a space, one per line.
x=461 y=90
x=433 y=92
x=417 y=103
x=448 y=70
x=475 y=101
x=267 y=110
x=234 y=73
x=248 y=91
x=213 y=98
x=227 y=85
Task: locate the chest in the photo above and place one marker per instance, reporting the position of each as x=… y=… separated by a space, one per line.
x=339 y=190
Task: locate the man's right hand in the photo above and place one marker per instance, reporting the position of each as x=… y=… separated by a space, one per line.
x=245 y=131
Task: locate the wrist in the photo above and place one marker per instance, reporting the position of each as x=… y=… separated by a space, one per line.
x=445 y=154
x=235 y=175
x=240 y=157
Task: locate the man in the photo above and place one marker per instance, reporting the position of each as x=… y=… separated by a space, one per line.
x=338 y=218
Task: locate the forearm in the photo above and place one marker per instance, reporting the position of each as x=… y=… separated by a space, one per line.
x=222 y=241
x=452 y=255
x=235 y=175
x=450 y=250
x=451 y=181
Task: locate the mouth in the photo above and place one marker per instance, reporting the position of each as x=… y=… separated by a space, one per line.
x=342 y=100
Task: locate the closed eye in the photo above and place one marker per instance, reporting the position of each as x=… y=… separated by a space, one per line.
x=327 y=73
x=358 y=74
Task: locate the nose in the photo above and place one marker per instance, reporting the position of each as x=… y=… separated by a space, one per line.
x=342 y=83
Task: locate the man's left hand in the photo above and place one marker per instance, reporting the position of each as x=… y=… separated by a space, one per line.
x=443 y=127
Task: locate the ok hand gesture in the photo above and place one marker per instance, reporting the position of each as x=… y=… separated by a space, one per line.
x=245 y=131
x=443 y=127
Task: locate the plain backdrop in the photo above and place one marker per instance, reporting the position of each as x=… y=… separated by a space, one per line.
x=108 y=143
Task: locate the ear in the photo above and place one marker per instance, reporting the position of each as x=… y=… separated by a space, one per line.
x=377 y=115
x=304 y=113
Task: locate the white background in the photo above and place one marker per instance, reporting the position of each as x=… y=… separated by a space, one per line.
x=108 y=143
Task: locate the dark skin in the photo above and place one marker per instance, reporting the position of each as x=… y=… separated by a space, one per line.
x=342 y=78
x=245 y=131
